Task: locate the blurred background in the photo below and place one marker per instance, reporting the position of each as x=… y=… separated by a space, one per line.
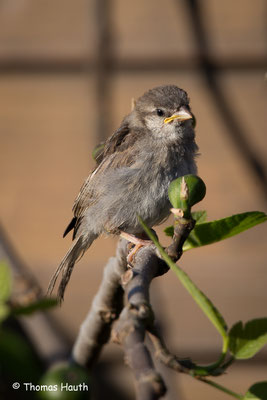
x=68 y=72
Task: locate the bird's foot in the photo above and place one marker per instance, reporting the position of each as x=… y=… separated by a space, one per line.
x=139 y=242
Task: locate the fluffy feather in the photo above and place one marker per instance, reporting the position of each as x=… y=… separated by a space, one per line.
x=134 y=170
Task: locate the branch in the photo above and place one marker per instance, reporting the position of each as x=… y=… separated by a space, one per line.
x=137 y=315
x=106 y=306
x=136 y=318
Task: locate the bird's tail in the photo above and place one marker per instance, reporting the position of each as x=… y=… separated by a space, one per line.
x=75 y=252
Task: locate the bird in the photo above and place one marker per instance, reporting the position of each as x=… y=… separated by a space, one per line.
x=154 y=145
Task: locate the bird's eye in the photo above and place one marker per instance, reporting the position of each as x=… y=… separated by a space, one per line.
x=160 y=112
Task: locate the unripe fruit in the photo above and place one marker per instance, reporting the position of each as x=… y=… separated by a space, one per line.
x=186 y=190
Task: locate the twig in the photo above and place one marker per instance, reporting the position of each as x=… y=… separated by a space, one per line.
x=164 y=356
x=221 y=388
x=182 y=228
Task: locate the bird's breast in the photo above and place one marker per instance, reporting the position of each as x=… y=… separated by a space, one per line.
x=141 y=189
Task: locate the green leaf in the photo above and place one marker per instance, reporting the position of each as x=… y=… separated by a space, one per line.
x=258 y=391
x=246 y=341
x=39 y=305
x=200 y=298
x=169 y=231
x=4 y=311
x=199 y=217
x=5 y=282
x=214 y=231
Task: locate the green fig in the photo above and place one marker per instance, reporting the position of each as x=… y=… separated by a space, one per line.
x=186 y=191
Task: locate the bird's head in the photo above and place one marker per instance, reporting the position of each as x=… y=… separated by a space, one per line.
x=165 y=112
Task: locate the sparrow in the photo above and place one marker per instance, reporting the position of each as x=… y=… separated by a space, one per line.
x=154 y=145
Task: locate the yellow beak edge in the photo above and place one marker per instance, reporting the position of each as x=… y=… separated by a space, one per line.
x=182 y=115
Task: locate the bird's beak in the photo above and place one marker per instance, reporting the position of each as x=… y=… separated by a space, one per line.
x=182 y=115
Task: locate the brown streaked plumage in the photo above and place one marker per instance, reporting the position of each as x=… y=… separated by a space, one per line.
x=154 y=145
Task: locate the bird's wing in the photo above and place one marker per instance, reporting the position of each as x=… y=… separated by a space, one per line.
x=115 y=153
x=122 y=138
x=105 y=158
